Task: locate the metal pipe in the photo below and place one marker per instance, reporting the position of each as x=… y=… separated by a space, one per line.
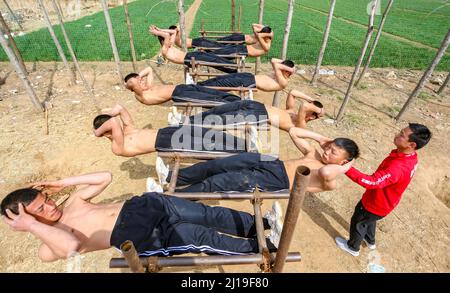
x=230 y=196
x=301 y=182
x=240 y=89
x=131 y=257
x=195 y=155
x=257 y=201
x=213 y=260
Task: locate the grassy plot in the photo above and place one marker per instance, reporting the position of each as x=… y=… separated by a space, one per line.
x=89 y=35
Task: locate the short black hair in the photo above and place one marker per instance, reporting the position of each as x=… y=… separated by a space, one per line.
x=421 y=135
x=317 y=104
x=100 y=119
x=266 y=29
x=172 y=27
x=161 y=40
x=349 y=146
x=288 y=63
x=11 y=202
x=130 y=75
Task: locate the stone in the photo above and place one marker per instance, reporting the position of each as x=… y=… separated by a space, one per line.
x=437 y=80
x=391 y=75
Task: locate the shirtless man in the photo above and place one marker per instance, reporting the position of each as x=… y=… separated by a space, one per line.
x=141 y=84
x=278 y=80
x=149 y=221
x=245 y=171
x=256 y=45
x=253 y=112
x=129 y=141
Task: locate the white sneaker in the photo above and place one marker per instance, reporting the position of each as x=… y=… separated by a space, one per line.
x=254 y=143
x=274 y=215
x=162 y=170
x=189 y=79
x=275 y=232
x=370 y=246
x=152 y=186
x=172 y=120
x=342 y=244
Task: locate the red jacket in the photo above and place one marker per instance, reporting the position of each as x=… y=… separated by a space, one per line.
x=385 y=187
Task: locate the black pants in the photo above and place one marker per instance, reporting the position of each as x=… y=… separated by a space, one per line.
x=244 y=79
x=210 y=57
x=199 y=94
x=241 y=172
x=233 y=37
x=232 y=50
x=362 y=226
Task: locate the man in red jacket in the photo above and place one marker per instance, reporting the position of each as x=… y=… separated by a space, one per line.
x=384 y=188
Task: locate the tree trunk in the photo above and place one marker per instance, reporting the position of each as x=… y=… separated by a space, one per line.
x=260 y=21
x=233 y=16
x=375 y=42
x=12 y=43
x=13 y=15
x=130 y=35
x=182 y=21
x=444 y=85
x=358 y=64
x=112 y=39
x=326 y=33
x=426 y=75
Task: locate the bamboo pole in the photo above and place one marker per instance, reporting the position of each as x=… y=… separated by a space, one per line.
x=12 y=43
x=182 y=21
x=301 y=182
x=130 y=35
x=427 y=74
x=132 y=257
x=324 y=42
x=375 y=42
x=13 y=59
x=287 y=30
x=260 y=21
x=358 y=64
x=239 y=18
x=444 y=85
x=112 y=40
x=13 y=15
x=53 y=35
x=72 y=54
x=233 y=16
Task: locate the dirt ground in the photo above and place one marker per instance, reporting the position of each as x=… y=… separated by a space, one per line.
x=414 y=238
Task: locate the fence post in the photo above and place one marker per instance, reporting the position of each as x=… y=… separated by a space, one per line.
x=326 y=34
x=375 y=42
x=13 y=15
x=287 y=30
x=260 y=21
x=444 y=85
x=12 y=43
x=182 y=22
x=112 y=39
x=233 y=16
x=427 y=74
x=130 y=35
x=358 y=64
x=13 y=59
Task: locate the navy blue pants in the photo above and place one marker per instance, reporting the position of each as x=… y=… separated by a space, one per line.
x=160 y=224
x=199 y=94
x=241 y=79
x=232 y=49
x=210 y=57
x=236 y=37
x=208 y=43
x=241 y=172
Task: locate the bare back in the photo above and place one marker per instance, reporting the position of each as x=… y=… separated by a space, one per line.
x=267 y=83
x=140 y=141
x=280 y=118
x=158 y=94
x=255 y=50
x=315 y=183
x=174 y=54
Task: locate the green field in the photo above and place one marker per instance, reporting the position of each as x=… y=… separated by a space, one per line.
x=413 y=29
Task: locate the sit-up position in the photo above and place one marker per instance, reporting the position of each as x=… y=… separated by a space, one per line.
x=253 y=112
x=245 y=171
x=275 y=82
x=129 y=141
x=260 y=43
x=157 y=224
x=166 y=38
x=141 y=84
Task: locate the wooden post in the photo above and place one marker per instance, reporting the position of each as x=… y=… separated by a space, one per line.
x=239 y=18
x=132 y=257
x=13 y=15
x=182 y=22
x=12 y=43
x=112 y=40
x=287 y=30
x=130 y=35
x=233 y=16
x=72 y=54
x=427 y=74
x=358 y=64
x=444 y=85
x=375 y=42
x=260 y=21
x=326 y=33
x=13 y=59
x=53 y=35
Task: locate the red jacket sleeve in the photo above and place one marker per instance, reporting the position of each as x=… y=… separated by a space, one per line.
x=379 y=179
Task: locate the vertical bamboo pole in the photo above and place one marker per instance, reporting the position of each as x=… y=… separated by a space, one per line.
x=427 y=74
x=287 y=30
x=72 y=54
x=326 y=34
x=13 y=15
x=53 y=35
x=233 y=16
x=358 y=64
x=182 y=21
x=12 y=43
x=13 y=59
x=375 y=42
x=260 y=21
x=112 y=39
x=130 y=35
x=301 y=182
x=444 y=85
x=239 y=18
